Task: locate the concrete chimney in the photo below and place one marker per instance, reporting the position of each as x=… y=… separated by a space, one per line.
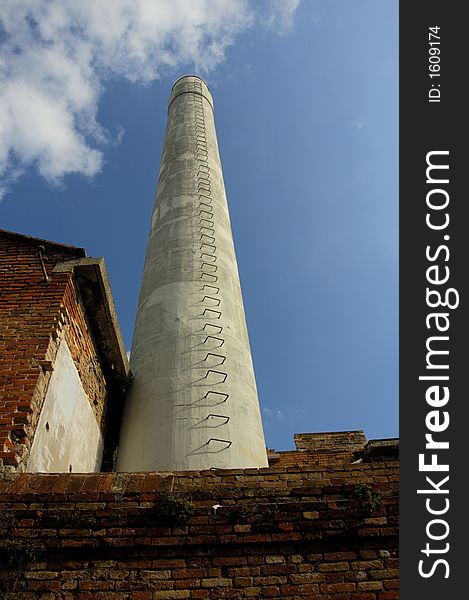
x=193 y=403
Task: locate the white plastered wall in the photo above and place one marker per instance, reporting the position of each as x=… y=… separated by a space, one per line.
x=67 y=435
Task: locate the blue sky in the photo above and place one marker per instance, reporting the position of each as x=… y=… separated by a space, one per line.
x=306 y=109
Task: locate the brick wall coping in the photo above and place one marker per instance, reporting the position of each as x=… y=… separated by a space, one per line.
x=137 y=483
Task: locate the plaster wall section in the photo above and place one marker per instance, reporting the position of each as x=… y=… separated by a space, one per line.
x=67 y=438
x=193 y=403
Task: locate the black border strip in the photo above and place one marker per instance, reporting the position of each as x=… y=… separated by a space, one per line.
x=437 y=126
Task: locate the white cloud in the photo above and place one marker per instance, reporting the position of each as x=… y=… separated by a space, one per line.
x=358 y=124
x=56 y=56
x=279 y=15
x=276 y=415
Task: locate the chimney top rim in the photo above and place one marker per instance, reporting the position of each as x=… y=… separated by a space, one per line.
x=189 y=75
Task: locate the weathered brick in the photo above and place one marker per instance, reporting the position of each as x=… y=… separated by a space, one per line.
x=96 y=585
x=185 y=573
x=216 y=582
x=270 y=592
x=336 y=577
x=252 y=592
x=367 y=554
x=339 y=556
x=186 y=584
x=363 y=565
x=42 y=575
x=332 y=588
x=394 y=595
x=385 y=574
x=273 y=559
x=309 y=590
x=171 y=594
x=369 y=585
x=242 y=581
x=339 y=566
x=306 y=578
x=278 y=569
x=229 y=560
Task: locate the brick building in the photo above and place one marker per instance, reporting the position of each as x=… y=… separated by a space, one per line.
x=63 y=367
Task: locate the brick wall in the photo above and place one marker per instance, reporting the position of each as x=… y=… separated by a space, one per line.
x=332 y=449
x=35 y=314
x=290 y=532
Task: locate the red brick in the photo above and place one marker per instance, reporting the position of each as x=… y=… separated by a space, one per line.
x=96 y=585
x=279 y=569
x=242 y=581
x=339 y=566
x=362 y=565
x=332 y=588
x=339 y=556
x=310 y=590
x=368 y=554
x=270 y=592
x=186 y=584
x=336 y=577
